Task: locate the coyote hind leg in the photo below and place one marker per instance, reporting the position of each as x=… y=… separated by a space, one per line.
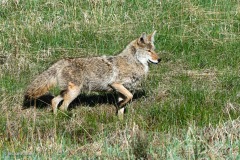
x=55 y=102
x=69 y=95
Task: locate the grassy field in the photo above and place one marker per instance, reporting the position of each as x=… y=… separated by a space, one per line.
x=190 y=103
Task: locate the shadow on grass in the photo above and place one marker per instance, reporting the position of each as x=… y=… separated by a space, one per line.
x=90 y=100
x=42 y=102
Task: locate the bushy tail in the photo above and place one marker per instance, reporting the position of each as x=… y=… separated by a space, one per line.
x=41 y=84
x=44 y=81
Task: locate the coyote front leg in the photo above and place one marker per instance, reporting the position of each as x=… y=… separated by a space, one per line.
x=125 y=97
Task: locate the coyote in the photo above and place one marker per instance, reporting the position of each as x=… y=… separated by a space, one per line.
x=121 y=73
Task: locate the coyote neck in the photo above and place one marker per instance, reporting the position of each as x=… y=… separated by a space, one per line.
x=145 y=67
x=130 y=50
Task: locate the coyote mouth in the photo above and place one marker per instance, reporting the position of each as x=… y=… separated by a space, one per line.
x=154 y=62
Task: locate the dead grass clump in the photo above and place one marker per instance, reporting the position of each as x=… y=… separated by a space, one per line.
x=140 y=145
x=221 y=141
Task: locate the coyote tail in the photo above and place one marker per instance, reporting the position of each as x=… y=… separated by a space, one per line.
x=43 y=82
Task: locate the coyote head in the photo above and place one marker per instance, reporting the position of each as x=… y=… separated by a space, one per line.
x=145 y=49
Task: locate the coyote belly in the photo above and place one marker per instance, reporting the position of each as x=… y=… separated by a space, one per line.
x=120 y=73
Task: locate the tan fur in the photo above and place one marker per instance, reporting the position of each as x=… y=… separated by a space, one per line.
x=121 y=73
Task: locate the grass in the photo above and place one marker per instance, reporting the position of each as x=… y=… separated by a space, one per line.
x=190 y=105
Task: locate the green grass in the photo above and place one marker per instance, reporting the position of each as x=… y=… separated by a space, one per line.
x=190 y=108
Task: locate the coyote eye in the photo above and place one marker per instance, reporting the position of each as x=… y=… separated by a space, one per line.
x=149 y=52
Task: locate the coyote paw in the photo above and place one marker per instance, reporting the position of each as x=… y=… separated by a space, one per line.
x=120 y=113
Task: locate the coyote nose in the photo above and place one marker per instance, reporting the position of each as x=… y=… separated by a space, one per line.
x=159 y=60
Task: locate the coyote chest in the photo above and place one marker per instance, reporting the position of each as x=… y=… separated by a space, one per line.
x=130 y=72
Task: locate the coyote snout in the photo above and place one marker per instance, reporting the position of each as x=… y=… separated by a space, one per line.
x=121 y=73
x=153 y=57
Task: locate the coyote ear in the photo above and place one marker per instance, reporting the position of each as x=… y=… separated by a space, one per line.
x=151 y=36
x=143 y=38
